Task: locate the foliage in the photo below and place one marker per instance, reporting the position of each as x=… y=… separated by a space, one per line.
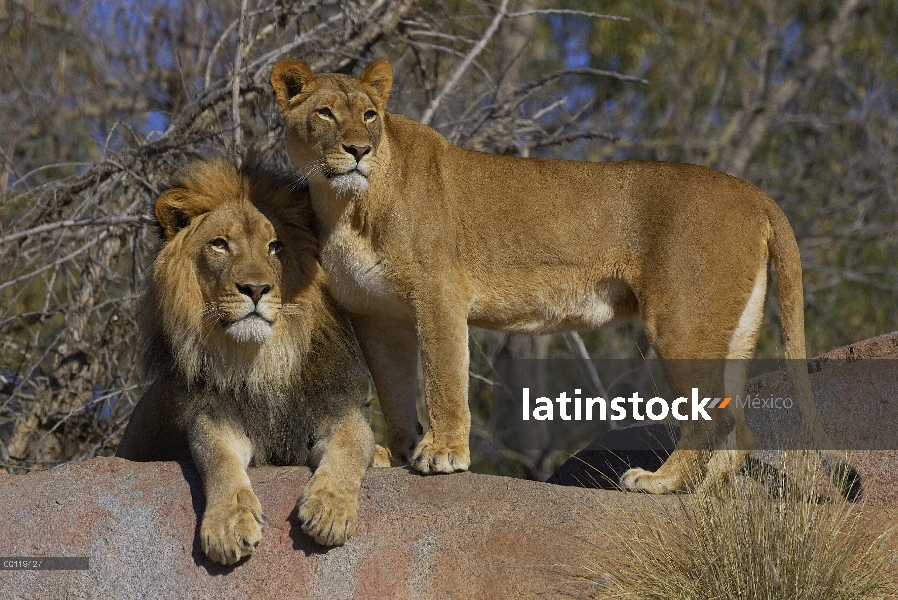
x=105 y=101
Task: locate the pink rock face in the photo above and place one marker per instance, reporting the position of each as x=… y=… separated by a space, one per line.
x=454 y=536
x=882 y=346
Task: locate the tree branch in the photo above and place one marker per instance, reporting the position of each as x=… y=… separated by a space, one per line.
x=463 y=66
x=762 y=119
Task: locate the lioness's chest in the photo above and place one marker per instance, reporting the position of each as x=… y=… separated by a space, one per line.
x=359 y=277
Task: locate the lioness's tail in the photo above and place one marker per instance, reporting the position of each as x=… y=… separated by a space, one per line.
x=786 y=259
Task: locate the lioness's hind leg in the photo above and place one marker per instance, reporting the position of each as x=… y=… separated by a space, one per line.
x=733 y=449
x=686 y=467
x=329 y=506
x=680 y=471
x=707 y=456
x=716 y=352
x=728 y=460
x=232 y=522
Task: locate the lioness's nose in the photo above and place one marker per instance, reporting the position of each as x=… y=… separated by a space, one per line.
x=253 y=291
x=357 y=151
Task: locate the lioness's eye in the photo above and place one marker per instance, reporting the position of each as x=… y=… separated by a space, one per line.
x=219 y=244
x=325 y=113
x=275 y=247
x=370 y=116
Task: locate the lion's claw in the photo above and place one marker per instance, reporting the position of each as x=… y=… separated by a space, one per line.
x=328 y=513
x=230 y=531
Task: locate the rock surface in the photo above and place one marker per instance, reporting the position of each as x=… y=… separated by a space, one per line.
x=456 y=536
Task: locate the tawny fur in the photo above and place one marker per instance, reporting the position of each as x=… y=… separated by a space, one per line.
x=422 y=238
x=239 y=379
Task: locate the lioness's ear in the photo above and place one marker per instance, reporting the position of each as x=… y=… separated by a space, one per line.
x=176 y=208
x=289 y=78
x=379 y=75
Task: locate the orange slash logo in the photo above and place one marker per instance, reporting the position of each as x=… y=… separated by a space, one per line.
x=720 y=402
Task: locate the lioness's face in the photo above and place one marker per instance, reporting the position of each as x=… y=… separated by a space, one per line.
x=334 y=122
x=235 y=253
x=338 y=137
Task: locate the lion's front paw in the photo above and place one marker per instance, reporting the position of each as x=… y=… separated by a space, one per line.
x=431 y=458
x=231 y=530
x=640 y=480
x=328 y=512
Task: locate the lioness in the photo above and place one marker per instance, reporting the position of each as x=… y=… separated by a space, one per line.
x=422 y=238
x=250 y=361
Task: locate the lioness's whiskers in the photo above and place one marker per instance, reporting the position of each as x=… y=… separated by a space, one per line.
x=311 y=169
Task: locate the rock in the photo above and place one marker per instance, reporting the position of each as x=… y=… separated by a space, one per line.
x=881 y=346
x=461 y=536
x=446 y=536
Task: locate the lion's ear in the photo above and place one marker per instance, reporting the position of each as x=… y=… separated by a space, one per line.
x=176 y=208
x=379 y=75
x=289 y=78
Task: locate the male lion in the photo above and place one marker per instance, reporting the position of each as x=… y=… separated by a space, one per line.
x=422 y=238
x=250 y=361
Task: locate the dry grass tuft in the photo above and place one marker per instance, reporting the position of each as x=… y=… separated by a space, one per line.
x=757 y=542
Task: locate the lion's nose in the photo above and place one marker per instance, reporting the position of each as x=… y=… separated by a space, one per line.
x=253 y=291
x=357 y=151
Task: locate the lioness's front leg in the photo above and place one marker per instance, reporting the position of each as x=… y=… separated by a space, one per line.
x=443 y=336
x=232 y=521
x=329 y=506
x=390 y=348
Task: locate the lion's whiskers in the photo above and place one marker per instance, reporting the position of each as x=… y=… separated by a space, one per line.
x=211 y=314
x=288 y=313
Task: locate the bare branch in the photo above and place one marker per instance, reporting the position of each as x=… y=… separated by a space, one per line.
x=463 y=66
x=235 y=84
x=72 y=223
x=561 y=11
x=762 y=119
x=576 y=344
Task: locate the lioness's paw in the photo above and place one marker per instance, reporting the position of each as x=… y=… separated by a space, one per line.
x=640 y=480
x=328 y=512
x=382 y=457
x=231 y=530
x=430 y=458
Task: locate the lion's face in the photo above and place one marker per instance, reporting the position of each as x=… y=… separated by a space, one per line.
x=221 y=267
x=236 y=287
x=334 y=122
x=238 y=271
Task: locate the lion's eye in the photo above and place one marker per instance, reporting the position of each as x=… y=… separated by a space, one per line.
x=370 y=116
x=219 y=244
x=275 y=247
x=325 y=113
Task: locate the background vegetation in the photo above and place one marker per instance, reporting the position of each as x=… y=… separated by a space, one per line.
x=103 y=101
